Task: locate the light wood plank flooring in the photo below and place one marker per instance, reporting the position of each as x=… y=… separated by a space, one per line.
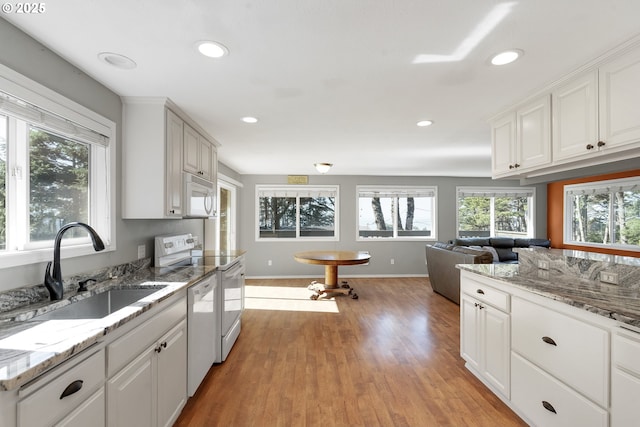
x=389 y=358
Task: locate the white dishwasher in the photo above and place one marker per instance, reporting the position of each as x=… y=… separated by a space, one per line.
x=202 y=322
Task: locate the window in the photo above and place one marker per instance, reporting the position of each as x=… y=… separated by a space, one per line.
x=396 y=213
x=603 y=213
x=297 y=213
x=55 y=168
x=496 y=212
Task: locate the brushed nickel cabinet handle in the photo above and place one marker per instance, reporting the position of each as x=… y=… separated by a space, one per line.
x=548 y=406
x=72 y=388
x=549 y=340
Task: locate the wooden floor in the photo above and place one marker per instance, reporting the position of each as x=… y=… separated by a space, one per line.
x=389 y=358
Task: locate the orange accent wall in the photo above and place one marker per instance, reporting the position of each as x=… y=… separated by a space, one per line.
x=555 y=212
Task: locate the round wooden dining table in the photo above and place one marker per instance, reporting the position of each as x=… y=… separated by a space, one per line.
x=331 y=261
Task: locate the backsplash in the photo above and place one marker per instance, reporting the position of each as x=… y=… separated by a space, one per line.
x=580 y=264
x=20 y=297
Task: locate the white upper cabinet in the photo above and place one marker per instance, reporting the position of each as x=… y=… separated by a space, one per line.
x=198 y=154
x=620 y=101
x=521 y=140
x=575 y=118
x=159 y=142
x=586 y=120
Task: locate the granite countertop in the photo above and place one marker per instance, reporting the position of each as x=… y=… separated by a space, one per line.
x=29 y=347
x=612 y=301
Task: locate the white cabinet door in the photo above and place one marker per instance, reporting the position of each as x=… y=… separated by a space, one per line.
x=90 y=413
x=174 y=143
x=496 y=348
x=575 y=118
x=469 y=331
x=484 y=342
x=625 y=389
x=503 y=144
x=172 y=375
x=533 y=133
x=620 y=101
x=206 y=159
x=191 y=162
x=131 y=394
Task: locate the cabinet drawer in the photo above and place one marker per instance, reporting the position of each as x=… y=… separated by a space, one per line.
x=537 y=394
x=485 y=293
x=565 y=347
x=46 y=405
x=626 y=351
x=129 y=346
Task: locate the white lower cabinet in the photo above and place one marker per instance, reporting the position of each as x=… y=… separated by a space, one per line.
x=90 y=413
x=547 y=402
x=66 y=395
x=625 y=379
x=152 y=389
x=559 y=368
x=484 y=336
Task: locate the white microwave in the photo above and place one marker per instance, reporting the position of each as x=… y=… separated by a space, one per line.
x=199 y=197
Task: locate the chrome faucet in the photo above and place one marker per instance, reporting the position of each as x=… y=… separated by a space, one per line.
x=54 y=283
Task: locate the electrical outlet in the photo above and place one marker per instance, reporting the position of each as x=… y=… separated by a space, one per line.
x=609 y=277
x=543 y=274
x=269 y=263
x=543 y=264
x=393 y=261
x=142 y=251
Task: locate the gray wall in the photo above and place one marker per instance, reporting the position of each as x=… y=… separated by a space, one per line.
x=409 y=256
x=26 y=56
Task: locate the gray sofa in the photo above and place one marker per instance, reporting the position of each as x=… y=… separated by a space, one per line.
x=443 y=257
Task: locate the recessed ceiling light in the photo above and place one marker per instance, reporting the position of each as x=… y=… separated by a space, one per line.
x=506 y=57
x=117 y=60
x=212 y=49
x=250 y=119
x=423 y=123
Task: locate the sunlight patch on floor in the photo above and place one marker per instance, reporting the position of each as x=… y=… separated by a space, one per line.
x=286 y=299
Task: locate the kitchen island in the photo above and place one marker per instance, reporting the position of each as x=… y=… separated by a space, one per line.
x=554 y=341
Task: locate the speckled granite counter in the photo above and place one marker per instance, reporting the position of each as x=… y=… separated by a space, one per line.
x=562 y=282
x=29 y=347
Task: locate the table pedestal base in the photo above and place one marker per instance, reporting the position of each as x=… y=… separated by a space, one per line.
x=321 y=289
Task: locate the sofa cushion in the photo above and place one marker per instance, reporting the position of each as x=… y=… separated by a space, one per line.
x=526 y=243
x=494 y=253
x=473 y=241
x=481 y=256
x=443 y=245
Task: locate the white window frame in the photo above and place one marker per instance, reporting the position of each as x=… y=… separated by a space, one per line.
x=608 y=186
x=102 y=179
x=296 y=191
x=495 y=192
x=399 y=191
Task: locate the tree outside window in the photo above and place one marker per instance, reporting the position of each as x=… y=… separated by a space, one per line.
x=605 y=213
x=297 y=212
x=495 y=212
x=396 y=213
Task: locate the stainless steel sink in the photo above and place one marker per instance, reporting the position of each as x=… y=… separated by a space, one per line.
x=99 y=305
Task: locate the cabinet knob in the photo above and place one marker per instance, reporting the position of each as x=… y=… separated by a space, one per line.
x=548 y=406
x=549 y=341
x=72 y=388
x=601 y=144
x=480 y=291
x=516 y=165
x=511 y=166
x=172 y=211
x=590 y=147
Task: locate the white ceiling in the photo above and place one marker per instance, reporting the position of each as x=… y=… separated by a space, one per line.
x=336 y=80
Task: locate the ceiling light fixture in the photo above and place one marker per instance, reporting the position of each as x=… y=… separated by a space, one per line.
x=424 y=123
x=323 y=167
x=506 y=57
x=212 y=49
x=117 y=60
x=250 y=119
